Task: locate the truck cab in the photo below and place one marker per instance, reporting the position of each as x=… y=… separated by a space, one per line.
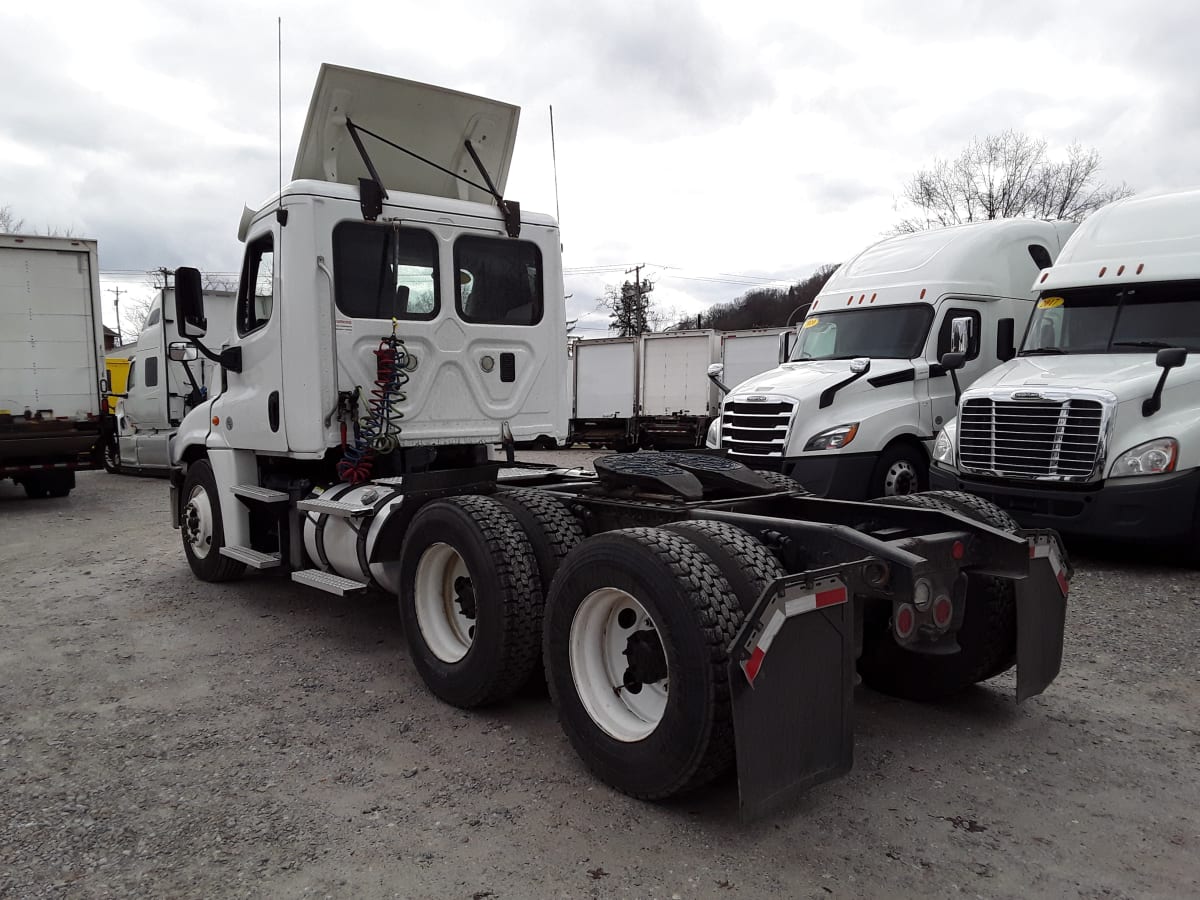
x=853 y=408
x=1094 y=428
x=164 y=378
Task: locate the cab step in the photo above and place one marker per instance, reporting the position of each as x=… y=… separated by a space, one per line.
x=253 y=558
x=258 y=494
x=328 y=582
x=336 y=508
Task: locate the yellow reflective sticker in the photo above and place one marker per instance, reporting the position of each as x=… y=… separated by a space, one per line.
x=1050 y=303
x=809 y=323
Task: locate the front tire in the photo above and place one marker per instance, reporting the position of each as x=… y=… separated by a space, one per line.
x=638 y=626
x=112 y=457
x=902 y=469
x=201 y=526
x=470 y=600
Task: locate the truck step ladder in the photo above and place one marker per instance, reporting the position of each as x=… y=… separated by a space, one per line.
x=336 y=508
x=253 y=558
x=328 y=582
x=259 y=494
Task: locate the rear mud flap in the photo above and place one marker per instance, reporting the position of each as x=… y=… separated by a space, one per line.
x=791 y=675
x=1041 y=614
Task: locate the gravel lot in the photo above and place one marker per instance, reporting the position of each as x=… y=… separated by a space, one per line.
x=164 y=737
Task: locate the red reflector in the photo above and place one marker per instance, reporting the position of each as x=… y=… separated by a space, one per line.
x=1045 y=275
x=873 y=296
x=1121 y=271
x=958 y=550
x=942 y=610
x=1139 y=268
x=906 y=620
x=922 y=297
x=1103 y=269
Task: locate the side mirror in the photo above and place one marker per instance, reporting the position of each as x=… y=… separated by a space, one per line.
x=189 y=303
x=1167 y=358
x=952 y=362
x=1171 y=357
x=785 y=345
x=715 y=373
x=182 y=351
x=104 y=386
x=1006 y=344
x=861 y=365
x=960 y=334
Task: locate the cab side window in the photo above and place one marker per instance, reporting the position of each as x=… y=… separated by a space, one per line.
x=256 y=296
x=151 y=373
x=131 y=375
x=943 y=346
x=499 y=280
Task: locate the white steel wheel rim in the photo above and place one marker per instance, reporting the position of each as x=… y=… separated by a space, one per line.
x=198 y=522
x=439 y=590
x=600 y=633
x=901 y=479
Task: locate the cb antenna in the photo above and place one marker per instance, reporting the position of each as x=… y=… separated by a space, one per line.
x=554 y=157
x=280 y=213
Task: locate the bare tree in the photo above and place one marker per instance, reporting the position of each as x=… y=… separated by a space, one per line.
x=212 y=281
x=1005 y=175
x=9 y=223
x=134 y=311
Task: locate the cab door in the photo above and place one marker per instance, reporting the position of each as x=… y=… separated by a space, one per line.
x=250 y=407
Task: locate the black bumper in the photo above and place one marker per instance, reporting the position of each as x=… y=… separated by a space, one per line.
x=844 y=476
x=1161 y=510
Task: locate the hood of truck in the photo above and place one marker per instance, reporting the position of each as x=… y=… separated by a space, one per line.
x=809 y=378
x=1125 y=375
x=430 y=121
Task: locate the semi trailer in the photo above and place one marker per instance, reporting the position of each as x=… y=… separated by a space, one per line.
x=398 y=316
x=53 y=418
x=859 y=395
x=1094 y=427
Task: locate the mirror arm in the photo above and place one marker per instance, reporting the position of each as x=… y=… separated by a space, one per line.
x=230 y=358
x=1153 y=403
x=721 y=386
x=957 y=388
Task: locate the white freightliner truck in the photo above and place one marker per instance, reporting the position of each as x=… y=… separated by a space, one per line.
x=398 y=316
x=859 y=396
x=53 y=418
x=1094 y=428
x=166 y=378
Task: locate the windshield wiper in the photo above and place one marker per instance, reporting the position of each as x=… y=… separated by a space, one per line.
x=1042 y=350
x=1149 y=345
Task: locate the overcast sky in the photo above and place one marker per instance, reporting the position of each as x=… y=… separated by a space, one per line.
x=723 y=143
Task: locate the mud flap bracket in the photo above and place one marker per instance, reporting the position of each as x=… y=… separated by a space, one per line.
x=791 y=676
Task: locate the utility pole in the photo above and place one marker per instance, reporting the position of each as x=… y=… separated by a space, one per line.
x=117 y=292
x=639 y=291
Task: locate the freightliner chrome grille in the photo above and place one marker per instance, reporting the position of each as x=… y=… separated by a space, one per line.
x=1043 y=438
x=756 y=428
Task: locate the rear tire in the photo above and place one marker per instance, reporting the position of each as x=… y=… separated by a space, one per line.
x=112 y=457
x=782 y=482
x=977 y=508
x=638 y=627
x=202 y=529
x=987 y=637
x=470 y=600
x=35 y=488
x=747 y=565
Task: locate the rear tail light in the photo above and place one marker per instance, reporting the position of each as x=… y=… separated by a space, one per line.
x=905 y=621
x=943 y=611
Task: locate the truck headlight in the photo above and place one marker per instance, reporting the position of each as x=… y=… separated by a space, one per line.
x=712 y=440
x=1151 y=458
x=833 y=438
x=943 y=447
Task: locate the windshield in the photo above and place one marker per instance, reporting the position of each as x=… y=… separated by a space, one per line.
x=885 y=332
x=1118 y=319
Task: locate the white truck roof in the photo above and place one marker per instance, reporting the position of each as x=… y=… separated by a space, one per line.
x=431 y=121
x=986 y=259
x=1154 y=238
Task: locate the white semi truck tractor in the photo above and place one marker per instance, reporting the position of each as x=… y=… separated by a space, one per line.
x=397 y=317
x=860 y=394
x=1094 y=428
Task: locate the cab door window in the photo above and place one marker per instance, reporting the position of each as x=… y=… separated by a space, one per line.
x=499 y=281
x=256 y=296
x=944 y=333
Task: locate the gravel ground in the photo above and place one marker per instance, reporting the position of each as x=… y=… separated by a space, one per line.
x=163 y=737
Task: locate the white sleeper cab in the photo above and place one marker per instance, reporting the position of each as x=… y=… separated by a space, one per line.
x=1094 y=428
x=859 y=395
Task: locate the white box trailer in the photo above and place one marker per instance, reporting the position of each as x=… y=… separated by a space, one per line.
x=51 y=356
x=749 y=352
x=677 y=398
x=605 y=391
